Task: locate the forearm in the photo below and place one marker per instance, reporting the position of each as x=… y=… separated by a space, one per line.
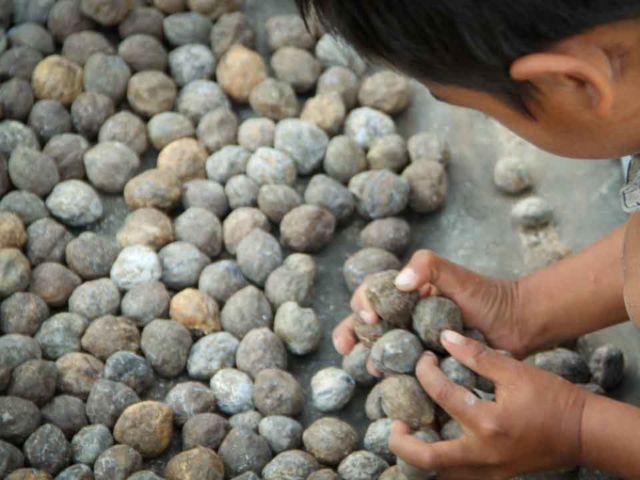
x=609 y=437
x=576 y=296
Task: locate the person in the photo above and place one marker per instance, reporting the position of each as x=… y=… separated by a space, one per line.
x=564 y=75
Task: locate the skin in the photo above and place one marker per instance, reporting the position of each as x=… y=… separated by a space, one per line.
x=578 y=89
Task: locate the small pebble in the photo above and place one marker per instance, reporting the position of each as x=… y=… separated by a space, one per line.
x=297 y=67
x=282 y=433
x=205 y=194
x=275 y=201
x=148 y=227
x=274 y=99
x=108 y=335
x=428 y=146
x=15 y=272
x=53 y=283
x=388 y=153
x=14 y=134
x=246 y=310
x=270 y=166
x=332 y=389
x=22 y=313
x=429 y=185
x=355 y=365
x=77 y=373
x=166 y=346
x=191 y=62
x=95 y=298
x=512 y=175
x=367 y=262
x=201 y=228
x=362 y=465
x=12 y=231
x=249 y=420
x=307 y=228
x=80 y=46
x=195 y=463
x=117 y=463
x=218 y=129
x=48 y=449
x=244 y=451
x=185 y=158
x=299 y=328
x=67 y=413
x=330 y=440
x=200 y=97
x=344 y=159
x=458 y=373
x=288 y=31
x=411 y=472
x=255 y=133
x=565 y=363
x=151 y=92
x=326 y=110
x=76 y=472
x=376 y=440
x=146 y=20
x=294 y=281
x=107 y=401
x=19 y=418
x=230 y=29
x=332 y=51
x=607 y=367
x=125 y=127
x=187 y=27
x=380 y=193
x=16 y=98
x=239 y=70
x=131 y=369
x=260 y=349
x=108 y=75
x=144 y=52
x=60 y=335
x=181 y=265
x=188 y=399
x=49 y=118
x=341 y=80
x=153 y=189
x=195 y=310
x=431 y=317
x=364 y=125
x=330 y=194
x=392 y=305
x=240 y=223
x=258 y=255
x=33 y=171
x=136 y=265
x=75 y=203
x=19 y=62
x=57 y=78
x=146 y=426
x=221 y=280
x=226 y=163
x=66 y=18
x=211 y=354
x=233 y=390
x=294 y=464
x=204 y=430
x=34 y=380
x=398 y=351
x=89 y=112
x=390 y=234
x=242 y=191
x=145 y=302
x=167 y=127
x=304 y=142
x=385 y=91
x=532 y=212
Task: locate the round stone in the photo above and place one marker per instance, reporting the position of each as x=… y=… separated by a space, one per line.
x=185 y=158
x=90 y=111
x=142 y=20
x=89 y=443
x=333 y=51
x=19 y=62
x=332 y=389
x=67 y=413
x=166 y=127
x=166 y=346
x=75 y=203
x=108 y=335
x=344 y=159
x=207 y=195
x=221 y=280
x=246 y=310
x=12 y=232
x=259 y=254
x=214 y=9
x=230 y=29
x=565 y=363
x=218 y=129
x=169 y=6
x=324 y=474
x=16 y=99
x=385 y=91
x=244 y=451
x=80 y=46
x=240 y=223
x=108 y=75
x=33 y=171
x=201 y=228
x=145 y=302
x=153 y=189
x=249 y=420
x=277 y=392
x=239 y=71
x=340 y=80
x=19 y=418
x=392 y=305
x=532 y=212
x=241 y=191
x=364 y=125
x=145 y=426
x=131 y=369
x=390 y=234
x=388 y=153
x=144 y=52
x=26 y=205
x=127 y=128
x=282 y=433
x=381 y=193
x=77 y=373
x=326 y=110
x=47 y=241
x=194 y=463
x=297 y=67
x=376 y=440
x=188 y=399
x=204 y=430
x=275 y=201
x=117 y=463
x=428 y=146
x=22 y=313
x=191 y=62
x=14 y=134
x=260 y=349
x=255 y=133
x=398 y=351
x=293 y=282
x=76 y=472
x=307 y=228
x=136 y=265
x=146 y=226
x=304 y=142
x=233 y=390
x=429 y=186
x=607 y=367
x=195 y=310
x=57 y=78
x=330 y=194
x=66 y=18
x=299 y=328
x=229 y=161
x=293 y=464
x=270 y=166
x=409 y=471
x=60 y=335
x=211 y=354
x=330 y=440
x=187 y=27
x=34 y=380
x=49 y=118
x=48 y=449
x=288 y=31
x=53 y=283
x=95 y=298
x=151 y=92
x=199 y=98
x=106 y=12
x=15 y=272
x=181 y=265
x=32 y=35
x=108 y=400
x=431 y=317
x=512 y=175
x=274 y=99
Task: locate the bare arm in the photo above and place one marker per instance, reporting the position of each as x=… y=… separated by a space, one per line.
x=579 y=295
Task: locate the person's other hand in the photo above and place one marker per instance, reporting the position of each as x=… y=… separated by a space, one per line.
x=533 y=425
x=489 y=305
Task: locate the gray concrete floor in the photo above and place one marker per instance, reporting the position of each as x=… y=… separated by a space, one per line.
x=474 y=228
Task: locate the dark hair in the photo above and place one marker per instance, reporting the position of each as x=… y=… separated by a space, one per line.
x=467 y=43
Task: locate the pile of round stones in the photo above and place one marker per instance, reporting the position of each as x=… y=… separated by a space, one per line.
x=173 y=339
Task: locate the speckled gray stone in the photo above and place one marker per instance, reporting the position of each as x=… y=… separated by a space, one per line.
x=274 y=99
x=431 y=317
x=330 y=194
x=288 y=31
x=49 y=118
x=229 y=161
x=95 y=299
x=15 y=272
x=242 y=451
x=211 y=354
x=260 y=349
x=90 y=255
x=221 y=280
x=362 y=465
x=294 y=464
x=355 y=364
x=218 y=129
x=188 y=399
x=77 y=373
x=429 y=185
x=107 y=74
x=367 y=262
x=376 y=439
x=458 y=373
x=19 y=62
x=200 y=97
x=107 y=401
x=246 y=310
x=187 y=27
x=19 y=418
x=364 y=125
x=60 y=335
x=106 y=12
x=110 y=165
x=166 y=127
x=145 y=302
x=275 y=201
x=76 y=472
x=12 y=458
x=391 y=234
x=231 y=29
x=249 y=420
x=89 y=443
x=32 y=35
x=607 y=365
x=144 y=52
x=201 y=228
x=282 y=433
x=125 y=127
x=565 y=363
x=67 y=151
x=131 y=369
x=48 y=449
x=34 y=380
x=344 y=159
x=299 y=328
x=332 y=51
x=332 y=389
x=109 y=334
x=191 y=62
x=304 y=142
x=146 y=20
x=89 y=111
x=242 y=191
x=398 y=351
x=136 y=265
x=233 y=390
x=270 y=166
x=66 y=18
x=255 y=133
x=258 y=255
x=117 y=463
x=181 y=265
x=240 y=223
x=411 y=472
x=277 y=392
x=33 y=171
x=22 y=313
x=14 y=134
x=67 y=413
x=54 y=283
x=380 y=193
x=75 y=203
x=80 y=46
x=307 y=228
x=166 y=346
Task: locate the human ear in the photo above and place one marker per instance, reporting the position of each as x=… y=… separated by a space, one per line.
x=584 y=70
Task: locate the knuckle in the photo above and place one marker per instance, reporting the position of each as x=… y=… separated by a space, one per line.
x=425 y=257
x=441 y=393
x=492 y=427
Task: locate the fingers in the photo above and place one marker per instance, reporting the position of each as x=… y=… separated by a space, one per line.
x=426 y=267
x=373 y=370
x=459 y=402
x=344 y=338
x=478 y=357
x=360 y=305
x=428 y=456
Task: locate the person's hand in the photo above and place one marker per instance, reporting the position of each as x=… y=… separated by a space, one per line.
x=533 y=425
x=489 y=305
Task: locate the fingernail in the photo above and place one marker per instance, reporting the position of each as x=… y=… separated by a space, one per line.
x=337 y=344
x=367 y=317
x=450 y=336
x=431 y=357
x=406 y=279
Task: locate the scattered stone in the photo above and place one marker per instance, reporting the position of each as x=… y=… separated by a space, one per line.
x=261 y=349
x=204 y=430
x=211 y=354
x=89 y=112
x=429 y=185
x=187 y=27
x=277 y=392
x=47 y=449
x=32 y=35
x=344 y=159
x=299 y=328
x=75 y=203
x=117 y=463
x=145 y=302
x=268 y=166
x=151 y=92
x=195 y=463
x=607 y=367
x=355 y=365
x=95 y=298
x=297 y=67
x=77 y=373
x=239 y=70
x=142 y=20
x=136 y=265
x=33 y=171
x=166 y=346
x=185 y=158
x=57 y=78
x=221 y=280
x=153 y=189
x=108 y=75
x=246 y=310
x=19 y=62
x=244 y=451
x=80 y=46
x=331 y=51
x=233 y=390
x=145 y=426
x=380 y=193
x=431 y=317
x=144 y=475
x=330 y=194
x=340 y=80
x=512 y=175
x=218 y=129
x=146 y=226
x=53 y=283
x=330 y=440
x=259 y=254
x=107 y=401
x=182 y=264
x=288 y=31
x=22 y=313
x=19 y=418
x=15 y=272
x=230 y=29
x=307 y=228
x=108 y=335
x=16 y=99
x=292 y=464
x=14 y=134
x=196 y=311
x=282 y=433
x=125 y=127
x=76 y=472
x=304 y=142
x=532 y=212
x=390 y=234
x=398 y=351
x=49 y=118
x=29 y=474
x=60 y=335
x=274 y=99
x=34 y=380
x=67 y=413
x=228 y=162
x=332 y=389
x=326 y=110
x=188 y=399
x=275 y=201
x=565 y=363
x=167 y=127
x=242 y=191
x=191 y=62
x=200 y=97
x=240 y=223
x=12 y=458
x=107 y=13
x=144 y=52
x=367 y=262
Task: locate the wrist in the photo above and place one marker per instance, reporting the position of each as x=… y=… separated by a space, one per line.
x=529 y=332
